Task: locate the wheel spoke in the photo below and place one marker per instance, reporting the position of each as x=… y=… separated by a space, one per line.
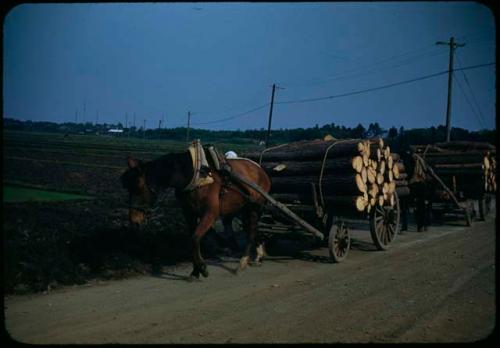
x=384 y=238
x=391 y=231
x=379 y=225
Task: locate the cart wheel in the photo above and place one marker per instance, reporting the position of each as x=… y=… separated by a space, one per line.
x=384 y=225
x=339 y=242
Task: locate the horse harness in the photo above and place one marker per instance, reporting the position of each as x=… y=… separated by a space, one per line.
x=224 y=169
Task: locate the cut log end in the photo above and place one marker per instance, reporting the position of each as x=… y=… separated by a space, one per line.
x=360 y=184
x=395 y=171
x=364 y=175
x=381 y=167
x=361 y=203
x=357 y=164
x=371 y=175
x=380 y=179
x=380 y=143
x=380 y=200
x=390 y=162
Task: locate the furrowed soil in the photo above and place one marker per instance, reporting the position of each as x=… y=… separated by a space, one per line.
x=75 y=272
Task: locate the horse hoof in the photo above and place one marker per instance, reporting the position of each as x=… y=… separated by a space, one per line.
x=195 y=275
x=204 y=271
x=243 y=263
x=256 y=264
x=193 y=278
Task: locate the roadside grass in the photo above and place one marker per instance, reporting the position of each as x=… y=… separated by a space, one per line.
x=13 y=194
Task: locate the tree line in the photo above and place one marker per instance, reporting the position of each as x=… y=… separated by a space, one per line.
x=399 y=139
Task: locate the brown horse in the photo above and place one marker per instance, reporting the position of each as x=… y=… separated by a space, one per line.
x=201 y=206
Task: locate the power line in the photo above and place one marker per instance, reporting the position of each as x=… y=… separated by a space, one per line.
x=401 y=63
x=380 y=87
x=232 y=117
x=360 y=70
x=481 y=115
x=481 y=123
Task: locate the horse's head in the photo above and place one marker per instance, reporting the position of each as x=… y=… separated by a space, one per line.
x=141 y=197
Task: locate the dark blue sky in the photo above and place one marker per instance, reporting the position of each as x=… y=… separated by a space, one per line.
x=219 y=60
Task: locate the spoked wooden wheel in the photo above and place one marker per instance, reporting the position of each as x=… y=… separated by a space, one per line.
x=339 y=242
x=384 y=225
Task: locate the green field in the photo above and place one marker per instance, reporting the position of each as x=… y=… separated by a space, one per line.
x=13 y=194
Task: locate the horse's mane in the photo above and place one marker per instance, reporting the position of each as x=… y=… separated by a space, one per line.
x=158 y=171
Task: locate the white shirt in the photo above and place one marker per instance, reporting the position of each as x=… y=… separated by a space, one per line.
x=231 y=154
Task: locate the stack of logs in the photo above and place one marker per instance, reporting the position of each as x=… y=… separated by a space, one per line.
x=466 y=167
x=339 y=173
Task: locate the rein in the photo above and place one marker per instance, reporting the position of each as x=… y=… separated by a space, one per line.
x=162 y=197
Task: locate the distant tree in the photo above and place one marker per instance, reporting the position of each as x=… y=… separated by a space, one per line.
x=393 y=132
x=359 y=131
x=374 y=130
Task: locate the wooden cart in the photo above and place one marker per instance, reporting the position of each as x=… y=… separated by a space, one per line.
x=305 y=212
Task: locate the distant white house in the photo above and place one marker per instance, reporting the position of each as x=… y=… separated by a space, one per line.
x=115 y=131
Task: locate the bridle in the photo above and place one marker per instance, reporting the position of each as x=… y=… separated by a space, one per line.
x=148 y=210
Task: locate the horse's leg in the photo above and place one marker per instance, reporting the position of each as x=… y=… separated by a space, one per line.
x=204 y=225
x=192 y=222
x=259 y=242
x=250 y=219
x=261 y=251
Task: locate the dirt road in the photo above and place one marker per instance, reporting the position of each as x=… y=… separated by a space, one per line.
x=435 y=286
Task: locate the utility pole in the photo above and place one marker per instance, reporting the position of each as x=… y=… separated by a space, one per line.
x=126 y=120
x=159 y=124
x=97 y=117
x=271 y=114
x=84 y=109
x=452 y=45
x=189 y=123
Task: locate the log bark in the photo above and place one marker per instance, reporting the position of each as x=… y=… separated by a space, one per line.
x=347 y=201
x=308 y=150
x=332 y=166
x=458 y=171
x=344 y=185
x=465 y=145
x=459 y=166
x=455 y=158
